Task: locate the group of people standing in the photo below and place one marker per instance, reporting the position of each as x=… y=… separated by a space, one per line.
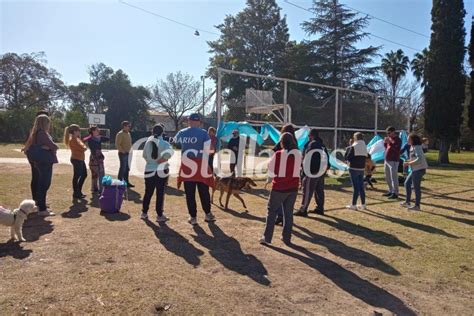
x=286 y=168
x=285 y=185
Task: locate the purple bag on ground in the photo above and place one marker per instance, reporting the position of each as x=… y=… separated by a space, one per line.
x=111 y=199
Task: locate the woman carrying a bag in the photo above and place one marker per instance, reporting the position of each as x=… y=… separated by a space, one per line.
x=41 y=150
x=156 y=153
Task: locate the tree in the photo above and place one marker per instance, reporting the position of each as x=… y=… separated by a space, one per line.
x=254 y=40
x=470 y=111
x=418 y=65
x=338 y=61
x=444 y=74
x=177 y=95
x=123 y=101
x=395 y=66
x=88 y=97
x=26 y=81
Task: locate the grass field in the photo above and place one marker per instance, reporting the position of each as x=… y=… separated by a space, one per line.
x=383 y=260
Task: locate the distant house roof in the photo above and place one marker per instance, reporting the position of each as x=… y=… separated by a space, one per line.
x=158 y=113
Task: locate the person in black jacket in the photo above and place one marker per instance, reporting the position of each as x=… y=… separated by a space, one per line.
x=233 y=145
x=313 y=183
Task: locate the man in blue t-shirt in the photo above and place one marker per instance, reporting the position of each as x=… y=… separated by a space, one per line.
x=193 y=141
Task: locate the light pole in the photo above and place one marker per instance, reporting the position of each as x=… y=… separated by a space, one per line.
x=203 y=94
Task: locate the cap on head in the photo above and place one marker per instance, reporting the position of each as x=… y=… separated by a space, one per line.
x=235 y=131
x=194 y=117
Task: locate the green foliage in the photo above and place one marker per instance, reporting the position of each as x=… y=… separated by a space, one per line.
x=337 y=60
x=28 y=82
x=395 y=66
x=254 y=40
x=75 y=116
x=470 y=115
x=418 y=65
x=444 y=88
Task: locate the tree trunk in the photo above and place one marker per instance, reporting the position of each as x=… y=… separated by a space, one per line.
x=443 y=156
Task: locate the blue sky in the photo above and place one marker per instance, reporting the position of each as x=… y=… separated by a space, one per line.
x=75 y=34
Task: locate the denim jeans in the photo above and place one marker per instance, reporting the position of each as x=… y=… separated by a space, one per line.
x=414 y=178
x=284 y=201
x=45 y=173
x=124 y=167
x=357 y=180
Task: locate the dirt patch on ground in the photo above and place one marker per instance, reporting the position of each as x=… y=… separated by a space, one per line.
x=384 y=260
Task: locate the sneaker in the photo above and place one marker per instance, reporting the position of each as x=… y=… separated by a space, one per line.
x=210 y=217
x=286 y=241
x=414 y=208
x=351 y=207
x=262 y=241
x=46 y=213
x=387 y=194
x=79 y=196
x=301 y=213
x=144 y=216
x=193 y=221
x=405 y=204
x=393 y=197
x=162 y=219
x=129 y=185
x=362 y=207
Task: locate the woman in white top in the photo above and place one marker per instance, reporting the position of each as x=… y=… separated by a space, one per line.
x=418 y=165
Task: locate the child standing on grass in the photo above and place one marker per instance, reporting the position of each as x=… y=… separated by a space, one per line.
x=96 y=160
x=369 y=171
x=418 y=165
x=284 y=167
x=72 y=139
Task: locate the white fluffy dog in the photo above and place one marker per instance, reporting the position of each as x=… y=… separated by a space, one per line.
x=17 y=217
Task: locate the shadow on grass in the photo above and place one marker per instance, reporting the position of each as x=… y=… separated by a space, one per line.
x=348 y=281
x=169 y=190
x=375 y=236
x=423 y=227
x=176 y=243
x=75 y=210
x=134 y=196
x=344 y=251
x=115 y=217
x=37 y=226
x=226 y=250
x=243 y=215
x=456 y=219
x=447 y=196
x=14 y=250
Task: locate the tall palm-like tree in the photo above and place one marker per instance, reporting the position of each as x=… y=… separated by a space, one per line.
x=418 y=65
x=395 y=66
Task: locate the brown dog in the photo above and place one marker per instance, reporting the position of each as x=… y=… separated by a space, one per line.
x=232 y=186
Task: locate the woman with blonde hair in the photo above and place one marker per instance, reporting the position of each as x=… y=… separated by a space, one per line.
x=41 y=151
x=72 y=139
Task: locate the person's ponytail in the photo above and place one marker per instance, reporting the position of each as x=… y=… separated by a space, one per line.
x=157 y=132
x=67 y=135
